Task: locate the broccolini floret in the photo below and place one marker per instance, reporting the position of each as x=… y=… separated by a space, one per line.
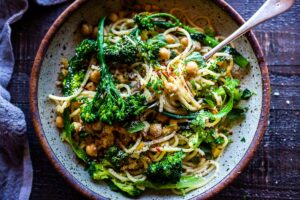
x=126 y=188
x=107 y=105
x=246 y=94
x=191 y=182
x=145 y=20
x=73 y=81
x=135 y=105
x=124 y=51
x=168 y=170
x=78 y=65
x=116 y=156
x=196 y=57
x=150 y=48
x=98 y=171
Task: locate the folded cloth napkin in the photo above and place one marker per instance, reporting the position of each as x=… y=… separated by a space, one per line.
x=49 y=2
x=15 y=163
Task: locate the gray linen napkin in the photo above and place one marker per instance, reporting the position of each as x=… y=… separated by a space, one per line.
x=49 y=2
x=15 y=163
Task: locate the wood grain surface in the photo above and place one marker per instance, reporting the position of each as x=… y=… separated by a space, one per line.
x=274 y=173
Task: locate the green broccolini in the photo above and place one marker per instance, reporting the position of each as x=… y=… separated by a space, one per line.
x=150 y=49
x=78 y=65
x=196 y=57
x=156 y=84
x=184 y=183
x=246 y=94
x=135 y=105
x=107 y=105
x=68 y=131
x=167 y=170
x=136 y=126
x=127 y=188
x=99 y=171
x=124 y=51
x=145 y=21
x=116 y=156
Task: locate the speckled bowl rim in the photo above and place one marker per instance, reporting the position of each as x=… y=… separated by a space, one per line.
x=89 y=193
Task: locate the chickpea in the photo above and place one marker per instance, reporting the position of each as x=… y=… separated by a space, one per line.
x=171 y=79
x=77 y=126
x=171 y=88
x=64 y=72
x=86 y=29
x=113 y=17
x=64 y=62
x=91 y=150
x=197 y=46
x=59 y=121
x=164 y=53
x=170 y=39
x=58 y=83
x=61 y=66
x=95 y=32
x=95 y=76
x=184 y=41
x=192 y=68
x=90 y=86
x=97 y=126
x=155 y=130
x=121 y=78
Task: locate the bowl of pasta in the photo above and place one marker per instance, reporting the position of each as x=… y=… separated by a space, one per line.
x=125 y=106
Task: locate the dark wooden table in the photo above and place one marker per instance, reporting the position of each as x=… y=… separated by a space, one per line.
x=274 y=173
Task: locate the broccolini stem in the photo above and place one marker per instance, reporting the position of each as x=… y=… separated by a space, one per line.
x=176 y=20
x=175 y=116
x=100 y=41
x=207 y=40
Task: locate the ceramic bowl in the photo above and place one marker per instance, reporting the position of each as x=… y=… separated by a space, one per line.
x=60 y=41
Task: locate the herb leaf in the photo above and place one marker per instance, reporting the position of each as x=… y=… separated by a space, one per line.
x=136 y=126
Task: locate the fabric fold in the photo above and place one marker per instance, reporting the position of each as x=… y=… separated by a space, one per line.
x=15 y=163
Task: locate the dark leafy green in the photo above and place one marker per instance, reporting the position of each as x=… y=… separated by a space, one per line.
x=77 y=66
x=136 y=126
x=167 y=170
